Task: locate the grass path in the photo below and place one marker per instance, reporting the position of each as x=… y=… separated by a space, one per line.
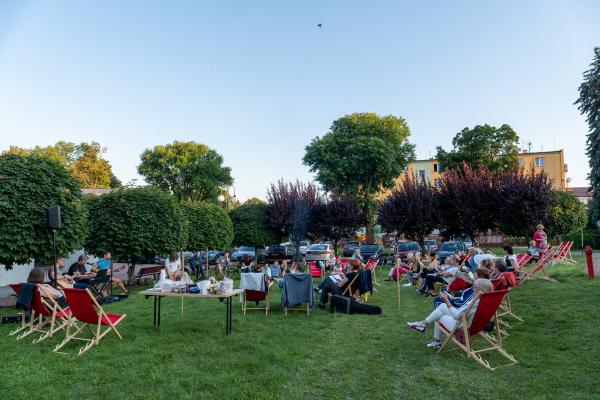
x=322 y=356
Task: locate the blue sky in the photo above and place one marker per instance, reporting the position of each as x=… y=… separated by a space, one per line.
x=257 y=80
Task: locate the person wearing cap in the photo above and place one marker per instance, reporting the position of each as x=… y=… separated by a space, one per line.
x=541 y=240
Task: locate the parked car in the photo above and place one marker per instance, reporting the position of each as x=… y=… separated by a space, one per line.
x=304 y=247
x=430 y=246
x=213 y=256
x=349 y=248
x=276 y=252
x=465 y=239
x=371 y=251
x=404 y=248
x=449 y=248
x=319 y=252
x=186 y=258
x=244 y=251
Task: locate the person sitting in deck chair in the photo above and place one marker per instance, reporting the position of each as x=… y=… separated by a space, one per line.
x=448 y=315
x=37 y=277
x=337 y=286
x=445 y=275
x=106 y=263
x=533 y=251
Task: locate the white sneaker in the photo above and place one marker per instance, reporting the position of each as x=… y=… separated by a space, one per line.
x=407 y=285
x=417 y=326
x=434 y=344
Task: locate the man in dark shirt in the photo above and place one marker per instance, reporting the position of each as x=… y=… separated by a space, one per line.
x=338 y=287
x=78 y=272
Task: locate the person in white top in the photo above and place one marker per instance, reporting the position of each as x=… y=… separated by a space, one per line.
x=448 y=315
x=173 y=266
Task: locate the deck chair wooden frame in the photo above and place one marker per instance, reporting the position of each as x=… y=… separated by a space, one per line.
x=539 y=269
x=563 y=255
x=60 y=316
x=463 y=336
x=372 y=266
x=16 y=287
x=266 y=307
x=505 y=309
x=40 y=316
x=78 y=320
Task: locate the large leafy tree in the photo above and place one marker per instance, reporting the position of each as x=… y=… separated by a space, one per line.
x=589 y=105
x=83 y=160
x=361 y=155
x=190 y=171
x=411 y=209
x=135 y=224
x=524 y=199
x=467 y=201
x=495 y=148
x=340 y=217
x=251 y=225
x=208 y=226
x=291 y=207
x=567 y=214
x=29 y=184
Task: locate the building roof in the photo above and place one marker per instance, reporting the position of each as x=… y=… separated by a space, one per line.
x=581 y=191
x=96 y=192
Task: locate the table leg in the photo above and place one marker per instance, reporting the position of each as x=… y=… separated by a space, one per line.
x=228 y=316
x=159 y=299
x=155 y=301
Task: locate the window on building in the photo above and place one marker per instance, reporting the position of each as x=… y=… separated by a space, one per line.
x=521 y=162
x=437 y=182
x=539 y=161
x=422 y=173
x=436 y=168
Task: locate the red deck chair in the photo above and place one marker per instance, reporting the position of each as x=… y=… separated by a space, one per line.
x=59 y=316
x=344 y=265
x=86 y=311
x=523 y=259
x=458 y=284
x=257 y=296
x=315 y=271
x=39 y=317
x=463 y=336
x=563 y=255
x=16 y=287
x=506 y=281
x=539 y=268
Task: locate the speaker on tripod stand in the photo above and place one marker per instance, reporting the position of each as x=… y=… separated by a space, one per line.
x=54 y=221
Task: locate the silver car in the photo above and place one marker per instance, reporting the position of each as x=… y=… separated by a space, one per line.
x=319 y=252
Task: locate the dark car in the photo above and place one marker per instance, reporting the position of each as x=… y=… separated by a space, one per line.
x=430 y=246
x=213 y=256
x=371 y=251
x=349 y=248
x=276 y=252
x=242 y=251
x=449 y=248
x=403 y=249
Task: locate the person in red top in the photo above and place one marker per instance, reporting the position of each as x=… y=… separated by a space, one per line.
x=541 y=239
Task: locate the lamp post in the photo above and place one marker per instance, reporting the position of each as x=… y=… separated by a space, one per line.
x=225 y=199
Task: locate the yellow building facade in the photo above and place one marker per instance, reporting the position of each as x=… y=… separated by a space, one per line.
x=551 y=162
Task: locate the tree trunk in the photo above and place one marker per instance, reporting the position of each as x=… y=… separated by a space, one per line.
x=370 y=227
x=131 y=272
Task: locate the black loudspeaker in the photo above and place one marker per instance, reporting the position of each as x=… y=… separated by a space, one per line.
x=54 y=219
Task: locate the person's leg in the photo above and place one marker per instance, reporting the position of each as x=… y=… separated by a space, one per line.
x=330 y=287
x=120 y=284
x=448 y=322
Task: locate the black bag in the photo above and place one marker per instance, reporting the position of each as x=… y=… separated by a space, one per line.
x=349 y=305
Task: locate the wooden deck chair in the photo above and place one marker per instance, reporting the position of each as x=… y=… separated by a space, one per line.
x=315 y=271
x=464 y=336
x=352 y=288
x=40 y=316
x=372 y=266
x=256 y=296
x=344 y=265
x=16 y=287
x=86 y=312
x=458 y=284
x=523 y=259
x=302 y=307
x=506 y=281
x=539 y=268
x=564 y=254
x=59 y=318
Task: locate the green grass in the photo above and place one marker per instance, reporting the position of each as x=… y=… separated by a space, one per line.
x=321 y=356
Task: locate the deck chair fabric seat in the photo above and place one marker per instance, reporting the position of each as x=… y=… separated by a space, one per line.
x=85 y=311
x=464 y=335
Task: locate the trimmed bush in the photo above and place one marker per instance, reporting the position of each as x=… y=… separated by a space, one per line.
x=28 y=186
x=208 y=226
x=251 y=226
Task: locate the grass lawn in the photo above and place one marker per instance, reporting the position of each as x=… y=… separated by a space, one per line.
x=321 y=356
